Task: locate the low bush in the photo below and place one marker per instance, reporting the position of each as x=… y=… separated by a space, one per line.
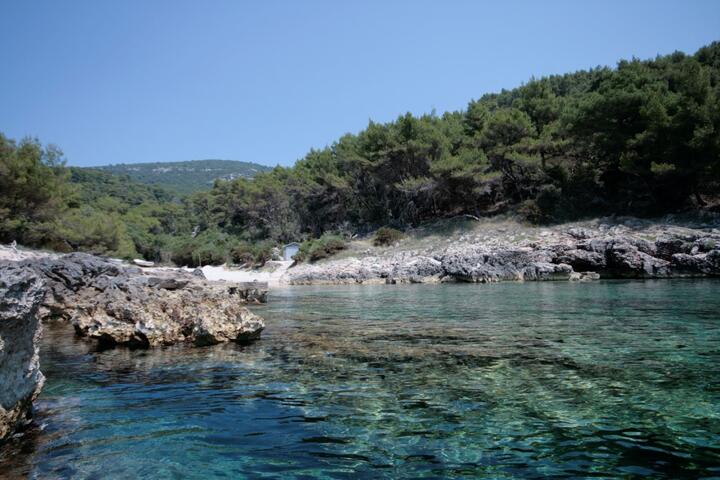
x=263 y=252
x=387 y=236
x=530 y=211
x=544 y=208
x=319 y=248
x=210 y=247
x=249 y=254
x=242 y=254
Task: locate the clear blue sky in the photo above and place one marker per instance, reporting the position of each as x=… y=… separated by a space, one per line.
x=264 y=81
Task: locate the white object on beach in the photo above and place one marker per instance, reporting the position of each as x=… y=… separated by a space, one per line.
x=143 y=263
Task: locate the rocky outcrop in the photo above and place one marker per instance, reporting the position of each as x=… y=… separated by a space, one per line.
x=484 y=265
x=574 y=253
x=21 y=293
x=114 y=304
x=400 y=268
x=119 y=304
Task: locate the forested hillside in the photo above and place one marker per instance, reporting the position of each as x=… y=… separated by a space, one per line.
x=642 y=139
x=189 y=176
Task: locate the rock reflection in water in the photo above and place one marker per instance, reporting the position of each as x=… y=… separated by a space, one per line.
x=510 y=380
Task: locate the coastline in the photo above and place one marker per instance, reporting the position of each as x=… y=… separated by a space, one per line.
x=507 y=250
x=493 y=250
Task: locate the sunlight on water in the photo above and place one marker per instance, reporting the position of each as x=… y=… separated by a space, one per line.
x=608 y=379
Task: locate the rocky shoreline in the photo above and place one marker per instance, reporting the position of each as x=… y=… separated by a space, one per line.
x=118 y=304
x=113 y=304
x=593 y=250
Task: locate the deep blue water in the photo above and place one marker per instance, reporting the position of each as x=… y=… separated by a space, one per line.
x=514 y=380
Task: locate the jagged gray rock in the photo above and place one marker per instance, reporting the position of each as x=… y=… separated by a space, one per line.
x=628 y=250
x=485 y=265
x=580 y=260
x=625 y=260
x=114 y=304
x=118 y=304
x=21 y=293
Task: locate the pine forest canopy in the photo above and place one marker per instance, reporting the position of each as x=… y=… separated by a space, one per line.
x=642 y=139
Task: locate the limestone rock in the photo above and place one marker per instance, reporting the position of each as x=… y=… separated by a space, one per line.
x=583 y=259
x=580 y=233
x=622 y=248
x=116 y=304
x=21 y=293
x=667 y=247
x=626 y=260
x=584 y=276
x=701 y=263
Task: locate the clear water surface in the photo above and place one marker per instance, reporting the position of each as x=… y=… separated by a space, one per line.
x=608 y=379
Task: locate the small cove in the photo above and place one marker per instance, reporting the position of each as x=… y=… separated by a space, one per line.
x=510 y=380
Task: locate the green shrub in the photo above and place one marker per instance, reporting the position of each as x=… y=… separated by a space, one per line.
x=548 y=200
x=387 y=236
x=242 y=254
x=544 y=207
x=323 y=247
x=89 y=230
x=210 y=247
x=246 y=253
x=530 y=210
x=263 y=252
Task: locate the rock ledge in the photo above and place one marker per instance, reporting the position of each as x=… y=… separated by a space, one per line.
x=118 y=304
x=631 y=249
x=21 y=293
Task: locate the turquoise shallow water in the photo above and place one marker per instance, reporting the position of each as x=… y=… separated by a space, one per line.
x=606 y=379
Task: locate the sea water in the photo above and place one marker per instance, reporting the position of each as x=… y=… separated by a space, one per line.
x=611 y=379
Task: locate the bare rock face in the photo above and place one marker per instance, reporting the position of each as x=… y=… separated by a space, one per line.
x=486 y=265
x=583 y=259
x=141 y=316
x=625 y=259
x=21 y=293
x=117 y=304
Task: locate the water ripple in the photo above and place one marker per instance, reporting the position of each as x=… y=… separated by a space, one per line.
x=610 y=379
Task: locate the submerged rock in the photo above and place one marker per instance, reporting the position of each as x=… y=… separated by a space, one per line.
x=584 y=276
x=123 y=305
x=21 y=293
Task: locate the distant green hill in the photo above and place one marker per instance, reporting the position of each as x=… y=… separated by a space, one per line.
x=186 y=177
x=96 y=186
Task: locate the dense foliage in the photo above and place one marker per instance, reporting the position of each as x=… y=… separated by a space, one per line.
x=316 y=249
x=188 y=176
x=33 y=191
x=641 y=139
x=151 y=221
x=387 y=236
x=45 y=204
